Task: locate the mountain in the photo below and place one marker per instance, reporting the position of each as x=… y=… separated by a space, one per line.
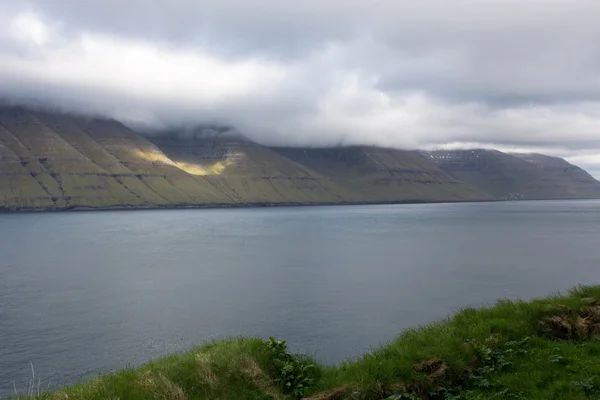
x=246 y=172
x=384 y=175
x=517 y=176
x=51 y=160
x=561 y=169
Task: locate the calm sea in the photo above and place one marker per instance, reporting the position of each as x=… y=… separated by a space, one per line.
x=84 y=293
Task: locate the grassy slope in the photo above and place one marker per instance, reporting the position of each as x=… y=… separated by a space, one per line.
x=18 y=186
x=377 y=174
x=253 y=173
x=52 y=160
x=544 y=349
x=57 y=161
x=509 y=176
x=579 y=181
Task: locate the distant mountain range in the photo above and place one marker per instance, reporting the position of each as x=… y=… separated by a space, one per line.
x=53 y=161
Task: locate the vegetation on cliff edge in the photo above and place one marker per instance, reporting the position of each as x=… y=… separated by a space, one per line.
x=543 y=349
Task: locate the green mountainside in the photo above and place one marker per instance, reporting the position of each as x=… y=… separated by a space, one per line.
x=517 y=176
x=57 y=161
x=561 y=169
x=384 y=175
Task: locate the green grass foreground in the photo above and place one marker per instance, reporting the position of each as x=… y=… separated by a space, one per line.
x=543 y=349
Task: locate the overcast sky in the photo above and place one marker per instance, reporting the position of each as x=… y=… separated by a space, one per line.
x=518 y=75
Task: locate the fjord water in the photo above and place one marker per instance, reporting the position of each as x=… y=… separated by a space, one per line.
x=84 y=293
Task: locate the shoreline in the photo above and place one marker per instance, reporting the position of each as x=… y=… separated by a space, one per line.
x=24 y=210
x=13 y=210
x=540 y=349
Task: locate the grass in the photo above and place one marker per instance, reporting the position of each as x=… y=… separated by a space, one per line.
x=57 y=161
x=543 y=349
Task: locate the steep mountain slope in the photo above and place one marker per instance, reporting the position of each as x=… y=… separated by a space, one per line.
x=561 y=169
x=378 y=174
x=59 y=161
x=56 y=161
x=248 y=172
x=509 y=176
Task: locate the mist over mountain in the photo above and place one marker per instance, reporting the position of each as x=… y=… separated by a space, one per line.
x=54 y=161
x=504 y=74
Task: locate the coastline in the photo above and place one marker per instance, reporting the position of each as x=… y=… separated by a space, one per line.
x=203 y=206
x=8 y=210
x=541 y=349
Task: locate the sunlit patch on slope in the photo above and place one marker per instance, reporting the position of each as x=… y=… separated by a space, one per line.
x=215 y=168
x=203 y=170
x=153 y=156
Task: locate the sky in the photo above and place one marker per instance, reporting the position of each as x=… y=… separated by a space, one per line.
x=515 y=75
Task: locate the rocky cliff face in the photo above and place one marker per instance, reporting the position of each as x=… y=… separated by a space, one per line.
x=57 y=161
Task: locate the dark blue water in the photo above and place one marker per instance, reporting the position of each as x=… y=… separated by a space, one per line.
x=88 y=292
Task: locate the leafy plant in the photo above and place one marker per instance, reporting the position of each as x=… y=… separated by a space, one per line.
x=587 y=385
x=293 y=373
x=556 y=358
x=404 y=396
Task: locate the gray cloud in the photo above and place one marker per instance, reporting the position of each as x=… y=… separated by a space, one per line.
x=517 y=75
